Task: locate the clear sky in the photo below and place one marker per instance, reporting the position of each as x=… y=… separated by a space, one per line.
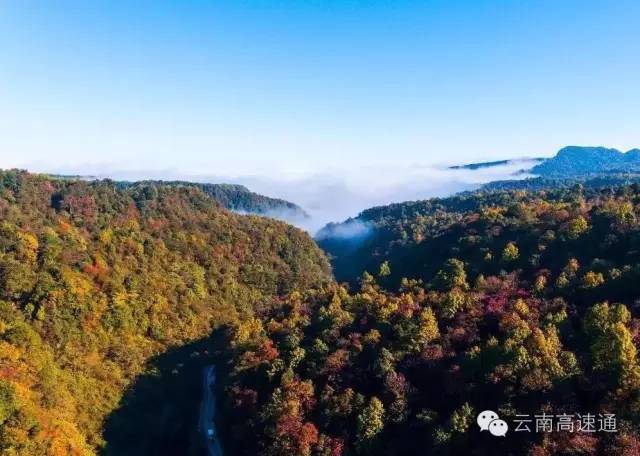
x=267 y=87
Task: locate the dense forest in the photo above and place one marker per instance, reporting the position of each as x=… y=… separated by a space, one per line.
x=96 y=279
x=519 y=302
x=234 y=197
x=522 y=303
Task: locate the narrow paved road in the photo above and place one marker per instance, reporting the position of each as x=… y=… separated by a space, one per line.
x=208 y=412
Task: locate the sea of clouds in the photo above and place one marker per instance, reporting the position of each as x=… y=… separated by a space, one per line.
x=333 y=194
x=337 y=195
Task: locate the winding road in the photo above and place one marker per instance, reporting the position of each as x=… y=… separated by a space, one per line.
x=208 y=412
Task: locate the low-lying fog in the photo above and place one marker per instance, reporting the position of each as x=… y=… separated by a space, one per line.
x=333 y=195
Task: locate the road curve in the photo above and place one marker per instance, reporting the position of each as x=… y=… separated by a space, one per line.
x=208 y=412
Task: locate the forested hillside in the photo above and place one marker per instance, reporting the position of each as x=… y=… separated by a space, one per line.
x=363 y=243
x=415 y=237
x=513 y=301
x=598 y=181
x=236 y=198
x=522 y=303
x=96 y=279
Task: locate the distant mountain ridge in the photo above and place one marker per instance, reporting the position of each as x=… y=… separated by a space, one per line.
x=573 y=161
x=491 y=164
x=593 y=181
x=592 y=167
x=240 y=199
x=234 y=197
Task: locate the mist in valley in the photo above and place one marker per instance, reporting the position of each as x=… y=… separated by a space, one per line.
x=331 y=195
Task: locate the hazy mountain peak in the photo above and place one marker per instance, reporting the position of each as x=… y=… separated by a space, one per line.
x=574 y=161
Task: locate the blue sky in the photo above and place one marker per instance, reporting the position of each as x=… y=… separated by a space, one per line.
x=257 y=87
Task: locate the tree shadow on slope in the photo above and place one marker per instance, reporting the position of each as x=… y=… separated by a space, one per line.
x=158 y=415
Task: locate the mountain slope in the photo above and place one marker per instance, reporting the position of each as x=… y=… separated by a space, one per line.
x=95 y=279
x=382 y=228
x=517 y=302
x=411 y=235
x=237 y=198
